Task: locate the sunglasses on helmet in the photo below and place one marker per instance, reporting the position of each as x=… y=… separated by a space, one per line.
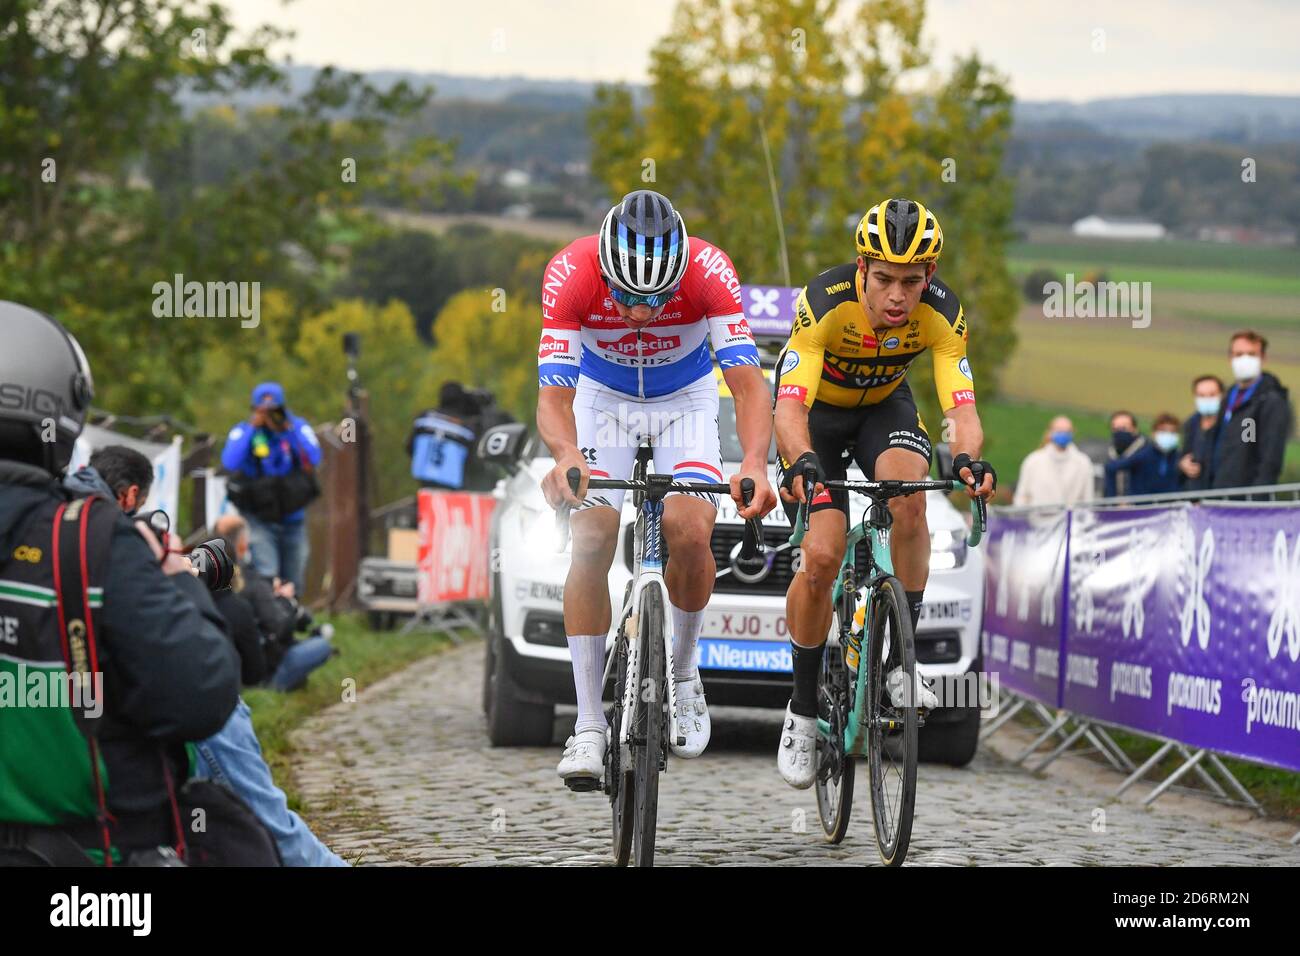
x=631 y=300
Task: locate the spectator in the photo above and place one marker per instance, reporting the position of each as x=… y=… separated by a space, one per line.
x=1199 y=433
x=276 y=452
x=288 y=661
x=171 y=675
x=1057 y=472
x=1143 y=467
x=1255 y=422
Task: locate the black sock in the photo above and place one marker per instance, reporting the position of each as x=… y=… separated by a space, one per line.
x=807 y=665
x=915 y=601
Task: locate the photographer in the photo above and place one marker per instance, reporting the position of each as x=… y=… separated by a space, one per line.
x=79 y=787
x=273 y=458
x=232 y=756
x=287 y=661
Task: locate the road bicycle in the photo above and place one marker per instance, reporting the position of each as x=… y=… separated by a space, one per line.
x=644 y=710
x=856 y=718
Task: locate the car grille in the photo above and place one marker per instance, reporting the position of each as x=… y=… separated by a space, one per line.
x=726 y=537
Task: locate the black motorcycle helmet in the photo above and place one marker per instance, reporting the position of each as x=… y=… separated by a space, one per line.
x=45 y=388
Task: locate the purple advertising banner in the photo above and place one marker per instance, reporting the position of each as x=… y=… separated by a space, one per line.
x=1023 y=602
x=1184 y=622
x=769 y=309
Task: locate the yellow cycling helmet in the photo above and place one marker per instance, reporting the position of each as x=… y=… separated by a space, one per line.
x=900 y=230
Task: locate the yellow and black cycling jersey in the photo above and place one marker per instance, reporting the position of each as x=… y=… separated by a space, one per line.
x=836 y=358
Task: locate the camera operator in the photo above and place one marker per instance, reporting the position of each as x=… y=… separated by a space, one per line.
x=232 y=756
x=78 y=787
x=273 y=458
x=288 y=661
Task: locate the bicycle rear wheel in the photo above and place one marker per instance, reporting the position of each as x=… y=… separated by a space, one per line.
x=835 y=768
x=648 y=727
x=891 y=731
x=620 y=779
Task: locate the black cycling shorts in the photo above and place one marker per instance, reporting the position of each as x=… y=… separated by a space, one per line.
x=840 y=435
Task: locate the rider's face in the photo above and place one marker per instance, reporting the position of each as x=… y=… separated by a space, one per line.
x=638 y=316
x=891 y=290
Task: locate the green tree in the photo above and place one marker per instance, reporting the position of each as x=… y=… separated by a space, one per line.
x=107 y=187
x=821 y=88
x=487 y=338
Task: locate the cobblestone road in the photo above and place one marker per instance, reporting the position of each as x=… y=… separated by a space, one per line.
x=405 y=776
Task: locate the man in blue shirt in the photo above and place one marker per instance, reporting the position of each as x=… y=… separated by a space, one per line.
x=273 y=442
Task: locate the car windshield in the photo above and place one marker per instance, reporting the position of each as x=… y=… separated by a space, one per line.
x=731 y=450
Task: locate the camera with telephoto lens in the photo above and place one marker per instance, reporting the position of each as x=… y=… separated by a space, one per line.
x=210 y=559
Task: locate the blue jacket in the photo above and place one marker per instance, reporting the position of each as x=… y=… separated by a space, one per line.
x=256 y=452
x=1150 y=472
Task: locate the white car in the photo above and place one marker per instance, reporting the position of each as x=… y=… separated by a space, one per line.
x=744 y=651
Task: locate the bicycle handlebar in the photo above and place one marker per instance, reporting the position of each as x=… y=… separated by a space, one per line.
x=884 y=490
x=752 y=544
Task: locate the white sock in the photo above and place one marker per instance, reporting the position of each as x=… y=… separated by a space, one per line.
x=588 y=653
x=686 y=633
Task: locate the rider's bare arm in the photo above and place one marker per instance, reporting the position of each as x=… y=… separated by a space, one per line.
x=558 y=430
x=754 y=429
x=968 y=438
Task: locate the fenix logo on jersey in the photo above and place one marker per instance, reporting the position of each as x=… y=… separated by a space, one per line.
x=629 y=345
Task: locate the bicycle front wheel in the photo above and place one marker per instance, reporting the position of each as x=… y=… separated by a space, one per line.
x=619 y=777
x=891 y=730
x=834 y=783
x=648 y=728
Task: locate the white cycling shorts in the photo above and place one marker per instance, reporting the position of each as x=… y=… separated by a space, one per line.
x=682 y=428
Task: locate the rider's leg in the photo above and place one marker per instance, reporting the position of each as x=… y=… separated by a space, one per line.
x=909 y=537
x=808 y=602
x=687 y=528
x=586 y=608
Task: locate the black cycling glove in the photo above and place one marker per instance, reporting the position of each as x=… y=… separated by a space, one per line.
x=796 y=470
x=978 y=468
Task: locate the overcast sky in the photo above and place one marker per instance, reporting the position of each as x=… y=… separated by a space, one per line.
x=1045 y=46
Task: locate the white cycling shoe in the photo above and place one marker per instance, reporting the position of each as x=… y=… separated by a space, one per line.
x=796 y=757
x=896 y=684
x=583 y=763
x=692 y=719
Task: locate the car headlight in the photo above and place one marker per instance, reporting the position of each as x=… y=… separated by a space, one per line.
x=947 y=550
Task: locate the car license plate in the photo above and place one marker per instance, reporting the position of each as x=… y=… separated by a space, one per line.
x=746 y=625
x=959 y=610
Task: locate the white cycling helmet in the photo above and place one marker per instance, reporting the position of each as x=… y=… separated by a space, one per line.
x=643 y=247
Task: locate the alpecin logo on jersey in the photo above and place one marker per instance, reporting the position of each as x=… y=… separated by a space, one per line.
x=628 y=344
x=550 y=345
x=741 y=328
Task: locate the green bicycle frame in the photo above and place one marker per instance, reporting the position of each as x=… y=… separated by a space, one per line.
x=855 y=741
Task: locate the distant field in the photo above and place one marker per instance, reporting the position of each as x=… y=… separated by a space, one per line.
x=1279 y=261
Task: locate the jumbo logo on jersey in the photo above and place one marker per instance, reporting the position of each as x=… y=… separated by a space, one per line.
x=629 y=345
x=551 y=345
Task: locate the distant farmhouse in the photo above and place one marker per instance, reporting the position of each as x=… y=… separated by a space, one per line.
x=1117 y=227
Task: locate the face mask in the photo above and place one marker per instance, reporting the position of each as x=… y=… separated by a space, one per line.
x=1122 y=439
x=1062 y=439
x=1207 y=406
x=1166 y=441
x=1246 y=367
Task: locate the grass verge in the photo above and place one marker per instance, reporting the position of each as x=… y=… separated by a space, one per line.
x=364 y=656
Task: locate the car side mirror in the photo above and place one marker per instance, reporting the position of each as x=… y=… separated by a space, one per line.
x=503 y=445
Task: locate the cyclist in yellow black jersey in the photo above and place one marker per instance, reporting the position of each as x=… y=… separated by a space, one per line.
x=842 y=393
